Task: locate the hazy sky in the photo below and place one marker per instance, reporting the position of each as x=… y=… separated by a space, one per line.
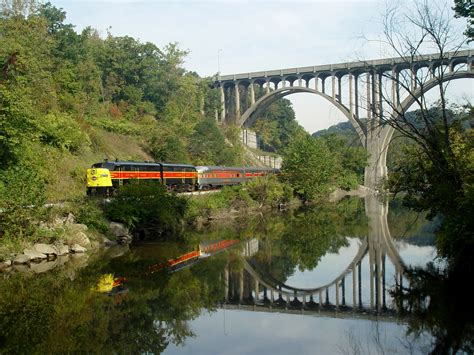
x=236 y=36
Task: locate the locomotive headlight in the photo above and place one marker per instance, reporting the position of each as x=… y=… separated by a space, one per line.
x=94 y=178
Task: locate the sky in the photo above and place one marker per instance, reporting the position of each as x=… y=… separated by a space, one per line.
x=239 y=36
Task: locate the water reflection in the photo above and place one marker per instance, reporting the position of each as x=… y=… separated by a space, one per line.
x=165 y=295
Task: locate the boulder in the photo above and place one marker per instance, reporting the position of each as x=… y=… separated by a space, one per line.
x=118 y=229
x=70 y=219
x=77 y=236
x=76 y=248
x=62 y=249
x=34 y=255
x=22 y=268
x=21 y=259
x=45 y=249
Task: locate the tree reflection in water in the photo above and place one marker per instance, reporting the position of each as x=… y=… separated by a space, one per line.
x=49 y=313
x=438 y=301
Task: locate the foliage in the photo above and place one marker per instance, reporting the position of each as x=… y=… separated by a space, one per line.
x=351 y=159
x=429 y=299
x=90 y=212
x=229 y=197
x=442 y=185
x=268 y=191
x=148 y=210
x=21 y=202
x=62 y=90
x=207 y=145
x=465 y=8
x=309 y=166
x=149 y=314
x=276 y=126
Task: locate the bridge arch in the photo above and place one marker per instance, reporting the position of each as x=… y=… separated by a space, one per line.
x=388 y=131
x=265 y=101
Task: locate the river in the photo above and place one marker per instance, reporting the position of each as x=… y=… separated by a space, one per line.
x=318 y=280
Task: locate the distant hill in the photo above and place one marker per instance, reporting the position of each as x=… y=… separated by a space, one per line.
x=344 y=128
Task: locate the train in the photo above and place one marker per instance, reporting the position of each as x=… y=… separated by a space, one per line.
x=106 y=177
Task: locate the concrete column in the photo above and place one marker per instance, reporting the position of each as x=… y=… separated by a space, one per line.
x=394 y=91
x=320 y=299
x=351 y=101
x=375 y=98
x=252 y=94
x=333 y=78
x=267 y=88
x=354 y=287
x=343 y=290
x=316 y=86
x=257 y=291
x=337 y=294
x=221 y=89
x=369 y=105
x=237 y=101
x=339 y=89
x=432 y=71
x=413 y=79
x=380 y=96
x=323 y=85
x=283 y=84
x=299 y=81
x=356 y=95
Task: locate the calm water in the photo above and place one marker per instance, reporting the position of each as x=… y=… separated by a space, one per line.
x=313 y=281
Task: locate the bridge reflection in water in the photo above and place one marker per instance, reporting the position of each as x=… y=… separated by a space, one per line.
x=252 y=289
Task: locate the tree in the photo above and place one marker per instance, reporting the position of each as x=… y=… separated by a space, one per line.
x=465 y=8
x=438 y=180
x=308 y=166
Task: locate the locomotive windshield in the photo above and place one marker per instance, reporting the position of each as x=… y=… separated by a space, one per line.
x=105 y=165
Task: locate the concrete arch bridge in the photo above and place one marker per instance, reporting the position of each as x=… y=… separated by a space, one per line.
x=366 y=92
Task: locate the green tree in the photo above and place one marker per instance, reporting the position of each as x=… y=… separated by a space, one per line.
x=309 y=166
x=465 y=8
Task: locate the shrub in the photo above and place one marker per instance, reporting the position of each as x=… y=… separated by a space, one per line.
x=22 y=198
x=269 y=191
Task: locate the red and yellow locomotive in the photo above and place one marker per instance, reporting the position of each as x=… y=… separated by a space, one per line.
x=106 y=177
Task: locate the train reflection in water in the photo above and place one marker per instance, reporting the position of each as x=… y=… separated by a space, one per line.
x=107 y=283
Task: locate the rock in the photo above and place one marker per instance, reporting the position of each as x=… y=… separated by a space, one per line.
x=21 y=259
x=62 y=249
x=5 y=264
x=39 y=268
x=61 y=260
x=78 y=237
x=118 y=229
x=45 y=249
x=33 y=254
x=76 y=248
x=70 y=219
x=22 y=268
